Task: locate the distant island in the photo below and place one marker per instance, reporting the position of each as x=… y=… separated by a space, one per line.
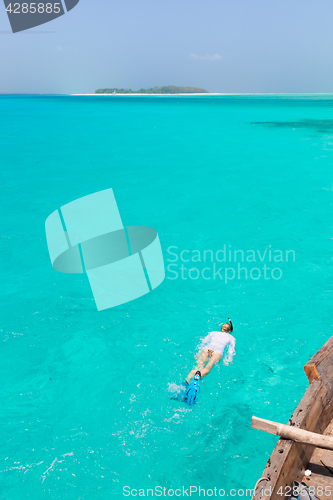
x=169 y=89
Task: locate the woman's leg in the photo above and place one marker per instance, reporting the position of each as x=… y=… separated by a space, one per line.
x=215 y=358
x=201 y=360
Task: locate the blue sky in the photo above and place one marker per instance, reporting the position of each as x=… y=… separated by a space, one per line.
x=220 y=45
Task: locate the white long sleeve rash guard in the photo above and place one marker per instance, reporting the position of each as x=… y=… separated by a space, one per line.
x=218 y=341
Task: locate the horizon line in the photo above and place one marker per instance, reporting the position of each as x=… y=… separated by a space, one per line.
x=178 y=94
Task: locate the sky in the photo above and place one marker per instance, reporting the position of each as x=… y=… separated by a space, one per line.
x=220 y=45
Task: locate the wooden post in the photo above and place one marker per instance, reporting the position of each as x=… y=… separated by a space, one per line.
x=293 y=433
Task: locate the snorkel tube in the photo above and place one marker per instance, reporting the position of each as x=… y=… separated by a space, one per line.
x=232 y=328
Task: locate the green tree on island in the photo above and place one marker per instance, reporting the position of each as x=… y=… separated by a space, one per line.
x=169 y=89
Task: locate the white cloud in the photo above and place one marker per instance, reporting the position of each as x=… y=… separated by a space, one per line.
x=208 y=57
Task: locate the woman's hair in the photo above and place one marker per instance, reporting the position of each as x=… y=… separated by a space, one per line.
x=228 y=326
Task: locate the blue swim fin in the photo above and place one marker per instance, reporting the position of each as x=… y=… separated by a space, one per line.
x=193 y=390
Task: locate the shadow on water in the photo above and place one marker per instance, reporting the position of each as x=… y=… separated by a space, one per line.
x=318 y=125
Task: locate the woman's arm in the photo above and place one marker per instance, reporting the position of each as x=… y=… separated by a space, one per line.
x=205 y=341
x=231 y=351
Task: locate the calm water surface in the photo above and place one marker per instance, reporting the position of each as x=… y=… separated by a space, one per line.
x=84 y=394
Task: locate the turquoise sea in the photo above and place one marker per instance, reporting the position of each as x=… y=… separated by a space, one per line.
x=84 y=394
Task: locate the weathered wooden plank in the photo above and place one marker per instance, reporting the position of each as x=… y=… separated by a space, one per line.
x=289 y=459
x=321 y=466
x=293 y=433
x=314 y=413
x=320 y=365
